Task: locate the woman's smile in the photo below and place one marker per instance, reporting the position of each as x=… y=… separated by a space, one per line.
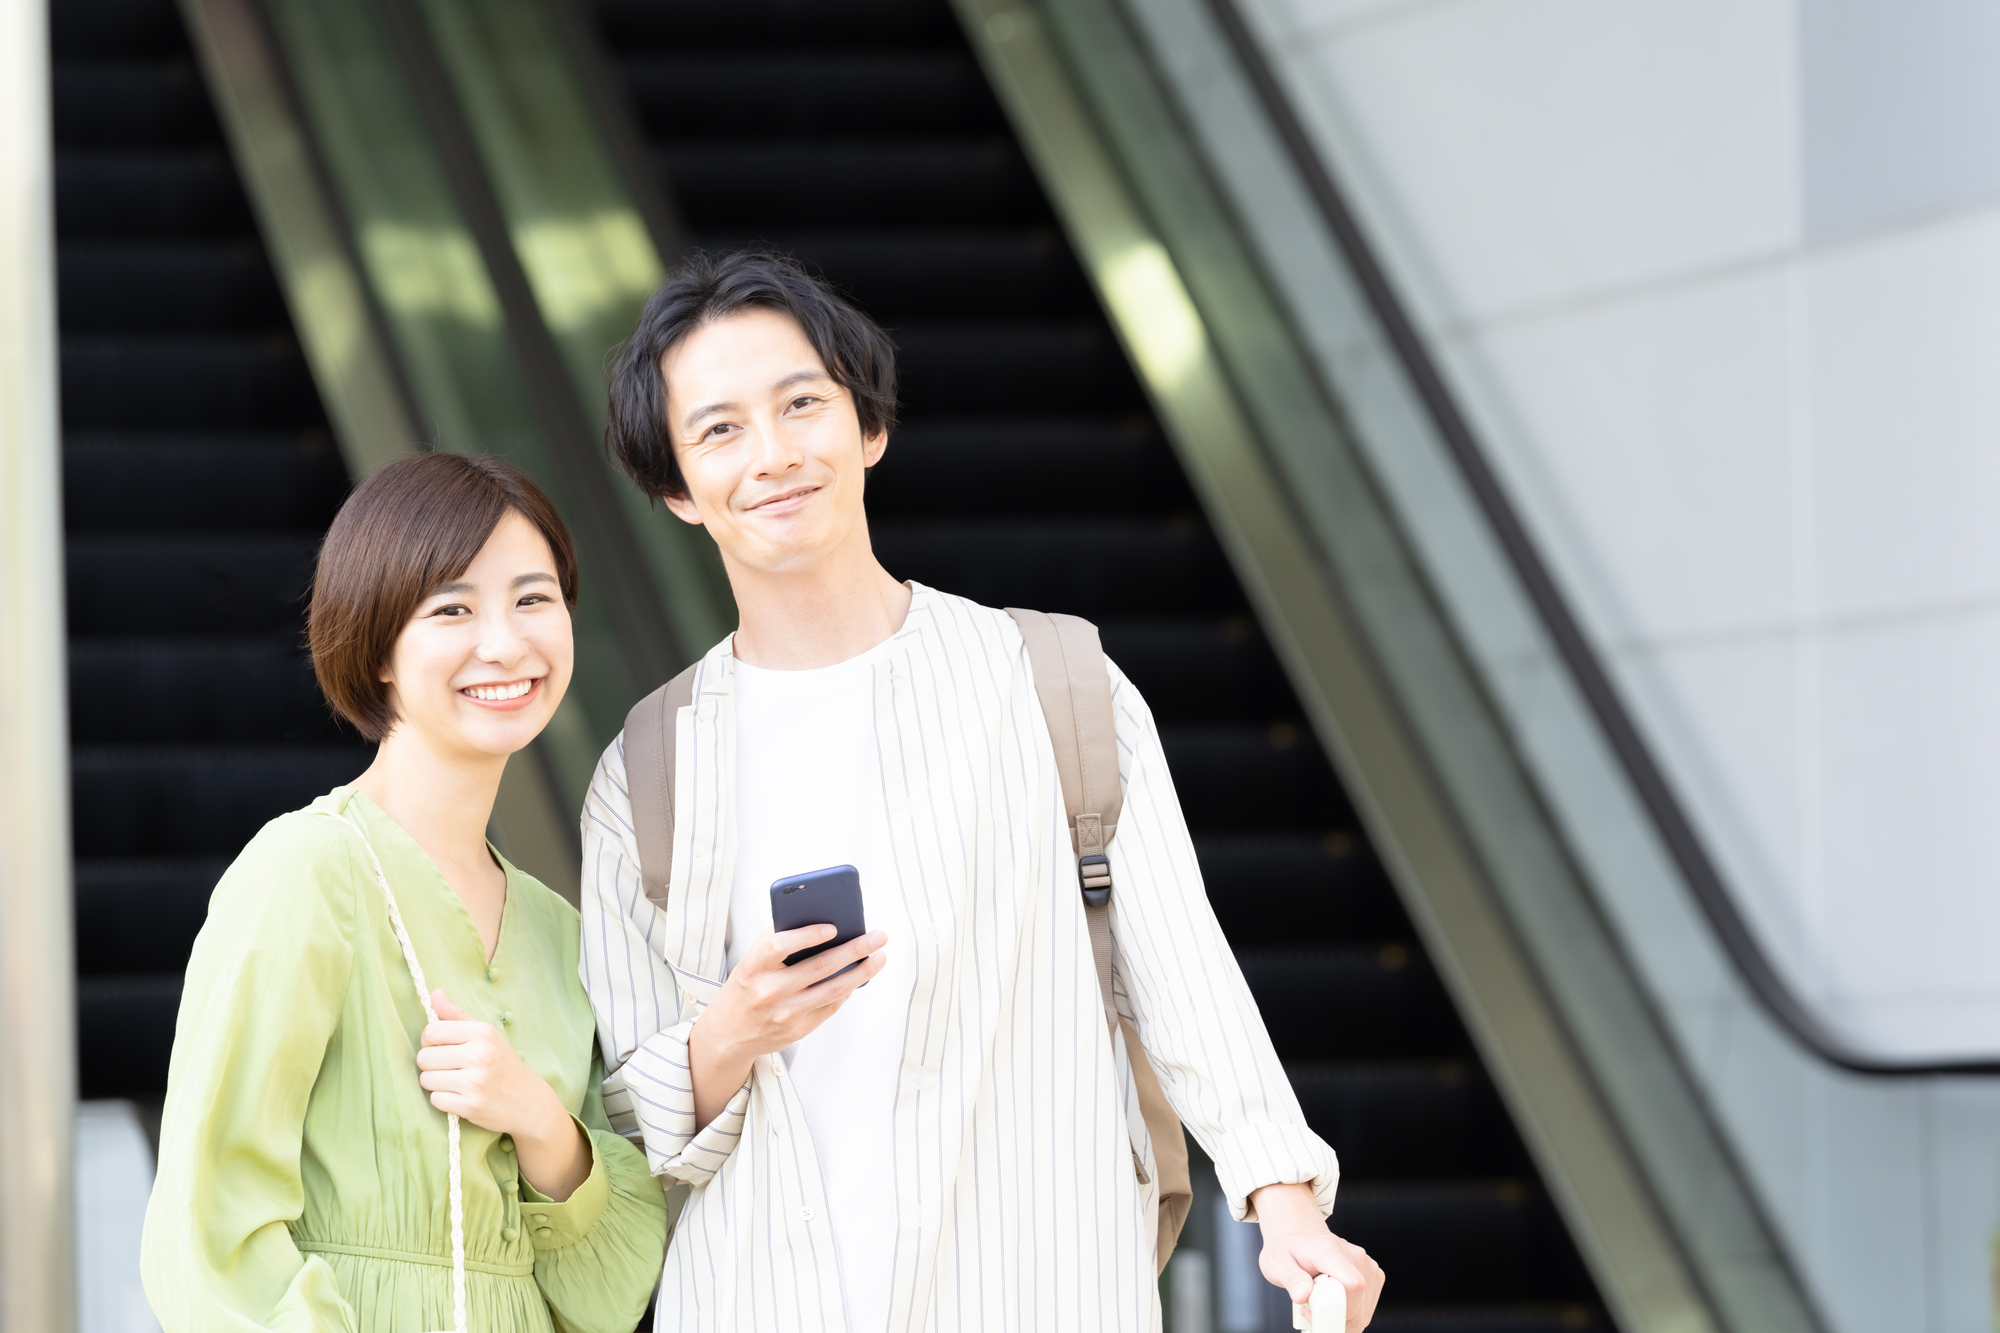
x=504 y=696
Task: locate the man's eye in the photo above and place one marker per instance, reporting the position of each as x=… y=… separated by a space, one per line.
x=720 y=428
x=803 y=402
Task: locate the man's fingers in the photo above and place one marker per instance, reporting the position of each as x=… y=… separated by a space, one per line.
x=783 y=944
x=830 y=962
x=1282 y=1270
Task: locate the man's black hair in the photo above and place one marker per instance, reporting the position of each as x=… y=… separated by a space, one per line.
x=708 y=287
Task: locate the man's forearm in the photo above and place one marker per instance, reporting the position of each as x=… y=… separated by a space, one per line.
x=717 y=1074
x=1285 y=1208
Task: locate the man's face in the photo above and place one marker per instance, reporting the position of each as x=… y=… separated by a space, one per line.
x=768 y=443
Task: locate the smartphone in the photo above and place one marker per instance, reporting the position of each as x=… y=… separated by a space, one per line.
x=830 y=897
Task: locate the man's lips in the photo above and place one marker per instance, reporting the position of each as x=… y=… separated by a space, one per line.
x=503 y=696
x=779 y=501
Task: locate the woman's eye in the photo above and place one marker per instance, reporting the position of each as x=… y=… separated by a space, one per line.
x=533 y=599
x=455 y=609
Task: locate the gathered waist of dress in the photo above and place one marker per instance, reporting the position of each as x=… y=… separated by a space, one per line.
x=472 y=1265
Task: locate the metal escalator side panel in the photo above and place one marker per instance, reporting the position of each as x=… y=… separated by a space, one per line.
x=1646 y=1184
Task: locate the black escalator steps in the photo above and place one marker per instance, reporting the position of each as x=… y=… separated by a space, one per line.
x=1410 y=1120
x=731 y=185
x=156 y=195
x=185 y=691
x=1240 y=776
x=1449 y=1241
x=186 y=286
x=1013 y=368
x=172 y=584
x=907 y=274
x=140 y=915
x=1283 y=888
x=1201 y=670
x=1351 y=1002
x=1532 y=1318
x=115 y=30
x=133 y=105
x=125 y=1033
x=686 y=94
x=811 y=24
x=186 y=382
x=197 y=801
x=218 y=481
x=1087 y=568
x=938 y=466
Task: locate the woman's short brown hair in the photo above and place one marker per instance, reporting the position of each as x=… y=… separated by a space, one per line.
x=412 y=527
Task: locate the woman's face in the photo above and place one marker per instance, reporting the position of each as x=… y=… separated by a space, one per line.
x=480 y=668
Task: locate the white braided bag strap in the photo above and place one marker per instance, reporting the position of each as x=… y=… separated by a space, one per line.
x=451 y=1121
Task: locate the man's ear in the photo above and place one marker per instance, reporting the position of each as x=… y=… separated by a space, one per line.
x=873 y=447
x=683 y=508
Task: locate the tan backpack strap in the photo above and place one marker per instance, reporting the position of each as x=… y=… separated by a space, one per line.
x=1074 y=685
x=652 y=733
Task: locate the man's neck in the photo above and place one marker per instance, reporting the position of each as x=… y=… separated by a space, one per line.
x=836 y=609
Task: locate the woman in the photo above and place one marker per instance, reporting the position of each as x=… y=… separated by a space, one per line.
x=305 y=1174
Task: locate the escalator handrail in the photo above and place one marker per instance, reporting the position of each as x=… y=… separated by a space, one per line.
x=1656 y=795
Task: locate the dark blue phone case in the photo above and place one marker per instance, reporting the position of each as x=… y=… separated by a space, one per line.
x=818 y=898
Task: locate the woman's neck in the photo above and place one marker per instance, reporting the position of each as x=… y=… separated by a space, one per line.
x=442 y=801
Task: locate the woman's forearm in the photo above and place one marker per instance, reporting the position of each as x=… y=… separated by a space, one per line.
x=556 y=1158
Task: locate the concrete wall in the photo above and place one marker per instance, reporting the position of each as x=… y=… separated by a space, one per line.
x=1716 y=281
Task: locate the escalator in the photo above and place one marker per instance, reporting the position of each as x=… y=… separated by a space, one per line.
x=862 y=137
x=199 y=474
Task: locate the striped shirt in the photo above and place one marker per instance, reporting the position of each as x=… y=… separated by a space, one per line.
x=1017 y=1124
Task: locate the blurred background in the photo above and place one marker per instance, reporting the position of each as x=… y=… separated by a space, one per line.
x=1539 y=458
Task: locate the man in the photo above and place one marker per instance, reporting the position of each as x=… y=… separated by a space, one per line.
x=945 y=1137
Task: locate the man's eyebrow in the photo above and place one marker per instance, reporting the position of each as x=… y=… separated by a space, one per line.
x=796 y=377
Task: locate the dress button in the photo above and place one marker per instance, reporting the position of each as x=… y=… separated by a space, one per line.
x=545 y=1232
x=688 y=995
x=493 y=974
x=541 y=1217
x=506 y=1143
x=507 y=1020
x=509 y=1233
x=805 y=1214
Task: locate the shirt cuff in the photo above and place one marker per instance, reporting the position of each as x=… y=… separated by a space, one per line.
x=1253 y=1156
x=552 y=1225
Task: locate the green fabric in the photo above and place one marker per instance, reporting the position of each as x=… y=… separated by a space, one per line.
x=302 y=1179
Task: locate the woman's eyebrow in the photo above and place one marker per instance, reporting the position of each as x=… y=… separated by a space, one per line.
x=523 y=580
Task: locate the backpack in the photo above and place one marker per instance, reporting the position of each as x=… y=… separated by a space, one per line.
x=1074 y=687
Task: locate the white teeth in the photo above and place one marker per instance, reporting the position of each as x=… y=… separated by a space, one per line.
x=499 y=693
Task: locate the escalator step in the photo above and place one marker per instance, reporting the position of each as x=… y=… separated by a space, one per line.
x=157 y=195
x=803 y=94
x=1280 y=888
x=1092 y=569
x=186 y=382
x=134 y=287
x=196 y=800
x=810 y=24
x=186 y=691
x=1007 y=368
x=125 y=1033
x=195 y=584
x=1527 y=1318
x=133 y=106
x=1199 y=670
x=115 y=30
x=1253 y=777
x=143 y=913
x=1352 y=1002
x=1052 y=465
x=728 y=185
x=955 y=273
x=215 y=481
x=1457 y=1240
x=1409 y=1120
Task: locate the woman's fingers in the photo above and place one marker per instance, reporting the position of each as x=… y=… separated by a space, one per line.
x=454 y=1033
x=446 y=1010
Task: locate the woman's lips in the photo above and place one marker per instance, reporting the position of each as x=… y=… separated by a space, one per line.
x=508 y=701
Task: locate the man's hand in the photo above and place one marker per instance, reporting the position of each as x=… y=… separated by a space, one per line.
x=1298 y=1247
x=474 y=1073
x=766 y=1006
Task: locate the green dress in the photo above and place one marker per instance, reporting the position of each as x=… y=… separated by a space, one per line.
x=302 y=1181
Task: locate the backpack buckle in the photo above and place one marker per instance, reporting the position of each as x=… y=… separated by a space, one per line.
x=1095 y=873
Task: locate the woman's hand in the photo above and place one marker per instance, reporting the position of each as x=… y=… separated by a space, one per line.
x=1298 y=1247
x=474 y=1073
x=766 y=1006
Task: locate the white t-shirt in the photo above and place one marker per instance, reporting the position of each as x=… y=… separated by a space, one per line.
x=808 y=796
